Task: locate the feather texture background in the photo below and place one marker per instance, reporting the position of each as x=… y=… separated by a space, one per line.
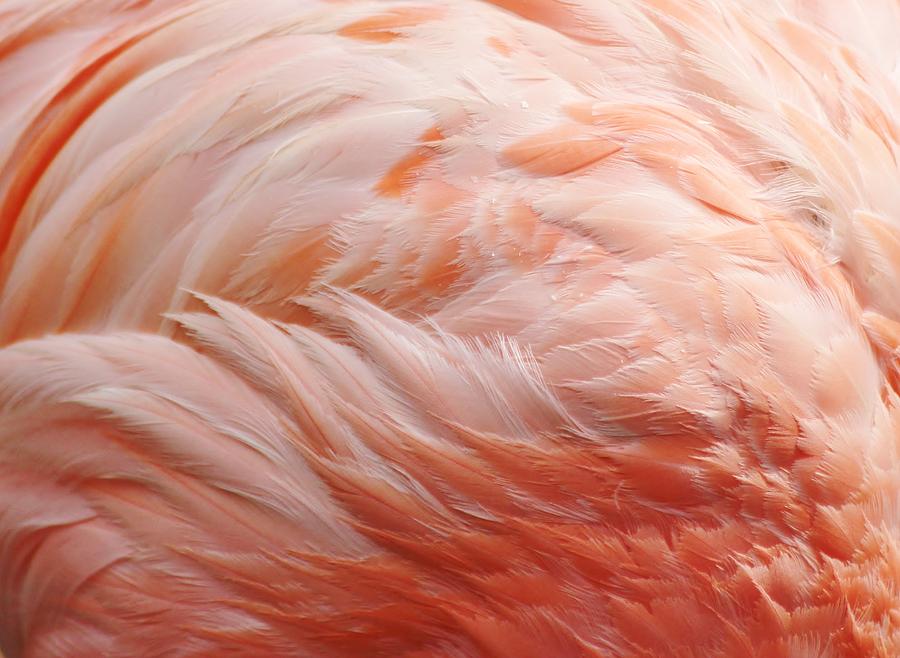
x=451 y=329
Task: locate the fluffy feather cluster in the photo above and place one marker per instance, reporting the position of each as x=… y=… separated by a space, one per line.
x=458 y=329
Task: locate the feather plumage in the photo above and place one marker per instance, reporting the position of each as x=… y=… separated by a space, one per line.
x=449 y=329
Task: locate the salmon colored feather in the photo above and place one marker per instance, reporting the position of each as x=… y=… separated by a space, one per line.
x=432 y=329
